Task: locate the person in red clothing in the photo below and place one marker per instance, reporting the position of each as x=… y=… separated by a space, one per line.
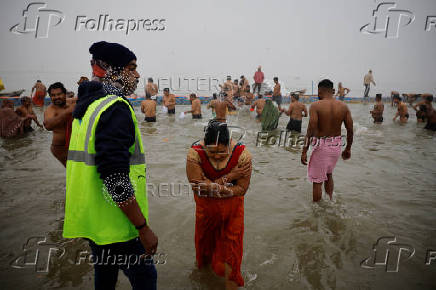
x=258 y=80
x=40 y=93
x=219 y=171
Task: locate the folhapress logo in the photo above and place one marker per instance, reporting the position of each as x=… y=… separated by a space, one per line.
x=387 y=253
x=387 y=20
x=38 y=20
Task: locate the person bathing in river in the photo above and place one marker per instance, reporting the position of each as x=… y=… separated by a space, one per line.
x=26 y=111
x=195 y=107
x=324 y=134
x=58 y=118
x=377 y=111
x=219 y=170
x=402 y=111
x=148 y=107
x=296 y=112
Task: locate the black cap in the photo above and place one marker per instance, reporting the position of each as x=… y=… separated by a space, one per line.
x=114 y=54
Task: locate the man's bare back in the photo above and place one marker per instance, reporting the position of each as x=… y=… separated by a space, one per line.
x=151 y=89
x=148 y=107
x=221 y=108
x=327 y=116
x=296 y=110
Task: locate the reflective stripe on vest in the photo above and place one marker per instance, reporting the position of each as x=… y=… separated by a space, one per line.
x=89 y=158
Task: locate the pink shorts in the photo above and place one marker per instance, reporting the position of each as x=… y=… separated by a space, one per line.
x=325 y=154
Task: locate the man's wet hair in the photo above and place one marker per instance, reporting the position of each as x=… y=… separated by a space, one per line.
x=397 y=97
x=229 y=77
x=216 y=133
x=276 y=79
x=150 y=80
x=214 y=96
x=326 y=84
x=57 y=85
x=242 y=77
x=429 y=98
x=260 y=96
x=295 y=96
x=378 y=96
x=423 y=108
x=166 y=90
x=24 y=99
x=38 y=81
x=193 y=95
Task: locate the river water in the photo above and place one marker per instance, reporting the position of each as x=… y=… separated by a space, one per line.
x=386 y=191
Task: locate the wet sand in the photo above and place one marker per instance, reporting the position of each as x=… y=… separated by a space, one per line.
x=386 y=189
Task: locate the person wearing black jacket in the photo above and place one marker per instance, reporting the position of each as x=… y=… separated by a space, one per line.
x=114 y=73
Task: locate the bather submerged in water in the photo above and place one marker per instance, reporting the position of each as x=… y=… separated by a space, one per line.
x=11 y=125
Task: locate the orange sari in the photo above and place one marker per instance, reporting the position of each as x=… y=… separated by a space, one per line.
x=219 y=223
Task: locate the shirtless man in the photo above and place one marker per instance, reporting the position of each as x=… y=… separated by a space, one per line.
x=259 y=104
x=212 y=104
x=222 y=106
x=195 y=107
x=82 y=79
x=236 y=90
x=426 y=102
x=324 y=134
x=58 y=118
x=277 y=94
x=26 y=111
x=40 y=92
x=367 y=80
x=429 y=111
x=342 y=92
x=244 y=84
x=248 y=96
x=148 y=107
x=151 y=89
x=227 y=87
x=169 y=101
x=296 y=112
x=377 y=111
x=402 y=110
x=393 y=94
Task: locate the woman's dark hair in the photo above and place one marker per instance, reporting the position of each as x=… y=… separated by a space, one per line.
x=216 y=133
x=57 y=85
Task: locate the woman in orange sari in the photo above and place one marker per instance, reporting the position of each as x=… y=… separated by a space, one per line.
x=219 y=171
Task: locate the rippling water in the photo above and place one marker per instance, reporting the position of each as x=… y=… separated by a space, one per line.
x=388 y=188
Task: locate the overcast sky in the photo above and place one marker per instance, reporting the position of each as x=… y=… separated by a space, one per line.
x=298 y=41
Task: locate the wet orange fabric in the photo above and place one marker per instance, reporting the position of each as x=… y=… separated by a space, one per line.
x=38 y=98
x=219 y=224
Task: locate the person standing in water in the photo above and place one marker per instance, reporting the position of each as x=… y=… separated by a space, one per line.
x=195 y=107
x=402 y=111
x=342 y=92
x=296 y=112
x=367 y=80
x=258 y=80
x=148 y=108
x=277 y=93
x=40 y=93
x=377 y=111
x=169 y=101
x=222 y=105
x=26 y=111
x=227 y=87
x=58 y=118
x=219 y=170
x=106 y=198
x=151 y=89
x=324 y=134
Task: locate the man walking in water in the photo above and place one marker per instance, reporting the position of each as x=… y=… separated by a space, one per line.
x=367 y=80
x=324 y=134
x=151 y=89
x=106 y=200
